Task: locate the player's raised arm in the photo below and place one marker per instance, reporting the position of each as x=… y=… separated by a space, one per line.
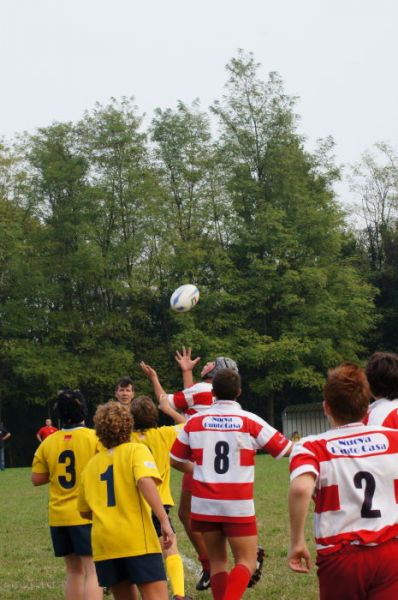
x=153 y=378
x=186 y=364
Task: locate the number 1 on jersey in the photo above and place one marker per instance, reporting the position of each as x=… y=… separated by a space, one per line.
x=110 y=486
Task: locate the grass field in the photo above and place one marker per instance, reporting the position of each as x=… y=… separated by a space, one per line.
x=29 y=571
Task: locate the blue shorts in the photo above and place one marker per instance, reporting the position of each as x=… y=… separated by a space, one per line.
x=134 y=569
x=71 y=539
x=156 y=522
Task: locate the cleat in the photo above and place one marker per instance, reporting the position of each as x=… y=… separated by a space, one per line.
x=255 y=578
x=204 y=581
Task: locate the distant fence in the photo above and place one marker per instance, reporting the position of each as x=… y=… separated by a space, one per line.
x=306 y=419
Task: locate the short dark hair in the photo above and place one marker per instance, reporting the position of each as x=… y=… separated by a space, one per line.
x=145 y=413
x=71 y=406
x=382 y=374
x=124 y=382
x=347 y=393
x=227 y=384
x=113 y=424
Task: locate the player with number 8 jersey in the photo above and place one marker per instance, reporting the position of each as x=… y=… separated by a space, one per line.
x=222 y=443
x=219 y=446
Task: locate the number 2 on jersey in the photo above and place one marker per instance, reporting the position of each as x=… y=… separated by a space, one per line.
x=110 y=486
x=367 y=512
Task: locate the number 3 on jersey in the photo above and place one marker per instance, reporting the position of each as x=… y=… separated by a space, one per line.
x=221 y=460
x=67 y=458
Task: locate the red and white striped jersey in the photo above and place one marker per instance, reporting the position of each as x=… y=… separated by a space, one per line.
x=222 y=443
x=383 y=412
x=356 y=489
x=196 y=398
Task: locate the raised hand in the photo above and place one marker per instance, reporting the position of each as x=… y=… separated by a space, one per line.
x=184 y=359
x=149 y=371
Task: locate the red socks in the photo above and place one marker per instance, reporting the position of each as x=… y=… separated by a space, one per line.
x=218 y=584
x=238 y=580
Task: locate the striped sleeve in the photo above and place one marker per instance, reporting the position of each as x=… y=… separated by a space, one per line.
x=303 y=460
x=268 y=438
x=178 y=401
x=181 y=450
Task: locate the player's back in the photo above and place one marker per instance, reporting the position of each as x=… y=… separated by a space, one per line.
x=64 y=454
x=356 y=483
x=159 y=440
x=122 y=523
x=222 y=443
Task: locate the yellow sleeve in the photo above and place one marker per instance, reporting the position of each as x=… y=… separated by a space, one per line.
x=40 y=464
x=144 y=464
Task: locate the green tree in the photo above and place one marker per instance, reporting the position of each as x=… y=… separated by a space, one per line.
x=303 y=307
x=375 y=181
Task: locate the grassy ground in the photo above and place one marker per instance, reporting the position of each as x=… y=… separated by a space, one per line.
x=28 y=569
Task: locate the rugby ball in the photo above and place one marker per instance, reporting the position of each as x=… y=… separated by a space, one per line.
x=184 y=298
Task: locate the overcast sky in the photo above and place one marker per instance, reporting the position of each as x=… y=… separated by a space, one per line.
x=58 y=57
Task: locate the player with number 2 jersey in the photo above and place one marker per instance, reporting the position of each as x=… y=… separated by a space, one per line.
x=351 y=472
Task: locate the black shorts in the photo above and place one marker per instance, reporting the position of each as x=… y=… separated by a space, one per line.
x=156 y=522
x=134 y=569
x=71 y=539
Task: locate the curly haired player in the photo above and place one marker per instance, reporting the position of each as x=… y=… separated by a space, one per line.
x=159 y=440
x=118 y=489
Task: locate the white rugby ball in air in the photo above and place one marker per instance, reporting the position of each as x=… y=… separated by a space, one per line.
x=184 y=298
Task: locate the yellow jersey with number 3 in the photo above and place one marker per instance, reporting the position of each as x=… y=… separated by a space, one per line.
x=63 y=455
x=122 y=523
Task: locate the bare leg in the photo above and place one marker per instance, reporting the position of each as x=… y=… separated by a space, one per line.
x=216 y=545
x=124 y=591
x=184 y=514
x=244 y=550
x=74 y=583
x=156 y=590
x=92 y=590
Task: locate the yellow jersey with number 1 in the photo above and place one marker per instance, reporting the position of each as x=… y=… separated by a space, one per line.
x=122 y=523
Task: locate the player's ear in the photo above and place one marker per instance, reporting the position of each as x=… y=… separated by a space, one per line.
x=326 y=408
x=239 y=393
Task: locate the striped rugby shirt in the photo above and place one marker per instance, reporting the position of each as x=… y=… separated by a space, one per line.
x=383 y=412
x=197 y=397
x=356 y=486
x=222 y=443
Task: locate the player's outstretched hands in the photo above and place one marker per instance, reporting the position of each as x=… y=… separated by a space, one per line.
x=149 y=371
x=184 y=359
x=299 y=559
x=168 y=534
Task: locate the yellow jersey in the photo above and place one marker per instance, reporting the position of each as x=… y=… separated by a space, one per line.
x=63 y=455
x=122 y=523
x=159 y=440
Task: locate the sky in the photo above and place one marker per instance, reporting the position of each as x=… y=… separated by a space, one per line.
x=59 y=57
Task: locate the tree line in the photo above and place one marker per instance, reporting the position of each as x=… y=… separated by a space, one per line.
x=101 y=219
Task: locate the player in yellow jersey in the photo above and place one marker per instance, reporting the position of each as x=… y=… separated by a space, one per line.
x=59 y=461
x=160 y=440
x=118 y=489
